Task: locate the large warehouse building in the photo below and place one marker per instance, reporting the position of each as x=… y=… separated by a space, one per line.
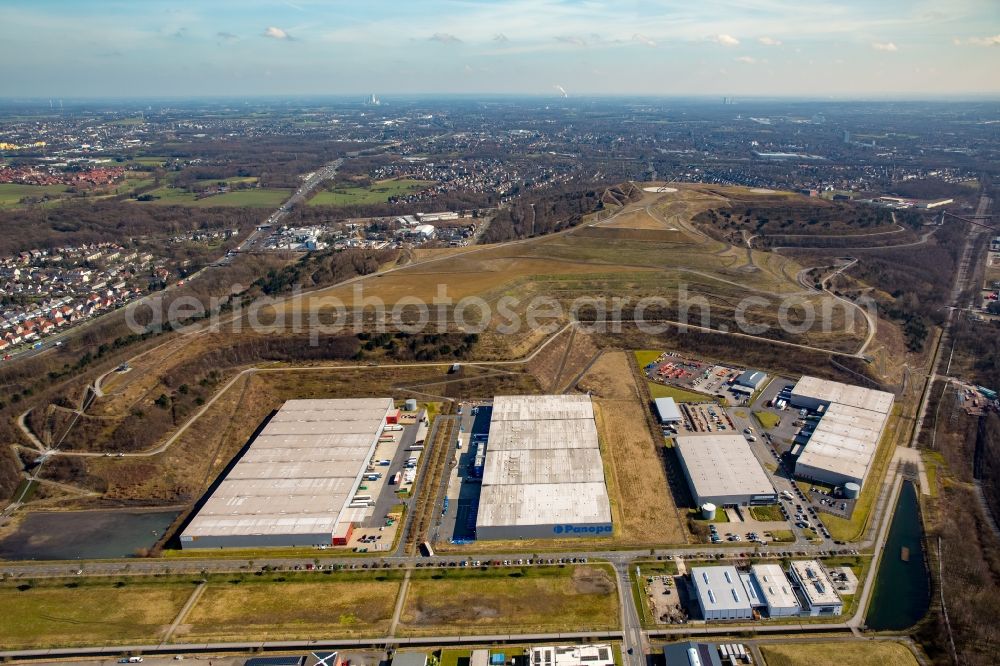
x=298 y=478
x=841 y=446
x=721 y=469
x=543 y=475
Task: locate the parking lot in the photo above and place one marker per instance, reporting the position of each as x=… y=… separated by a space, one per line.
x=459 y=506
x=376 y=529
x=690 y=374
x=703 y=418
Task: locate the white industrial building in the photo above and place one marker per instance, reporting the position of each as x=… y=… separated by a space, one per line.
x=841 y=446
x=817 y=588
x=721 y=593
x=573 y=655
x=722 y=469
x=297 y=480
x=667 y=410
x=543 y=475
x=775 y=590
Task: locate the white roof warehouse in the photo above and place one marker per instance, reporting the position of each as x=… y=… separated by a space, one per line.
x=841 y=447
x=294 y=483
x=543 y=475
x=721 y=469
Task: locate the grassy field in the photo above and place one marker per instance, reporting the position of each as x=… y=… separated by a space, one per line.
x=855 y=653
x=452 y=657
x=642 y=508
x=646 y=356
x=678 y=394
x=769 y=512
x=12 y=193
x=95 y=613
x=150 y=160
x=255 y=198
x=767 y=420
x=782 y=536
x=533 y=599
x=295 y=610
x=378 y=192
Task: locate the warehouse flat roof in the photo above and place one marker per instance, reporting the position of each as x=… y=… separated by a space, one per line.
x=816 y=583
x=774 y=586
x=543 y=463
x=846 y=438
x=578 y=433
x=720 y=589
x=542 y=407
x=721 y=465
x=534 y=466
x=544 y=504
x=299 y=474
x=829 y=391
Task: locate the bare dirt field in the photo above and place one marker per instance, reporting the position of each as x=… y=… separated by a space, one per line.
x=642 y=507
x=539 y=599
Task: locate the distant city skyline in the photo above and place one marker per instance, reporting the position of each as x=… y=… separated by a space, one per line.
x=758 y=48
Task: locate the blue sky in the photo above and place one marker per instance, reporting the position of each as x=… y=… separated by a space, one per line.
x=660 y=47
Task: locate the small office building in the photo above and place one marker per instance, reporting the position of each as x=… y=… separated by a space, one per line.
x=817 y=588
x=667 y=411
x=775 y=590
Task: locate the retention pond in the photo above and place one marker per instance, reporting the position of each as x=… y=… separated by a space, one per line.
x=902 y=590
x=80 y=535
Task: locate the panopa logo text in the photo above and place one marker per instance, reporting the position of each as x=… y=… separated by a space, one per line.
x=582 y=529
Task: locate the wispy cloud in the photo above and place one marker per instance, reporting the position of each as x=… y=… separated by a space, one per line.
x=277 y=33
x=572 y=40
x=643 y=39
x=747 y=60
x=979 y=41
x=884 y=46
x=445 y=38
x=724 y=40
x=226 y=36
x=769 y=41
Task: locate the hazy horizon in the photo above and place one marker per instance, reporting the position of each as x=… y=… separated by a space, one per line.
x=751 y=48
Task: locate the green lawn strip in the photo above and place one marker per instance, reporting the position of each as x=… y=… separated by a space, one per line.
x=767 y=420
x=770 y=512
x=678 y=394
